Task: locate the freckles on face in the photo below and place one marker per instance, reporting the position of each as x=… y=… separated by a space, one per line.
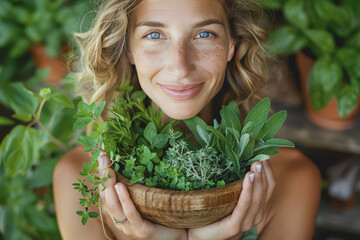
x=180 y=50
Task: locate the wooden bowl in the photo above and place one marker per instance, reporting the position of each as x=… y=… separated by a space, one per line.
x=183 y=209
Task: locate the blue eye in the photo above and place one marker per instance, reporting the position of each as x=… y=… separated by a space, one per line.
x=154 y=35
x=204 y=35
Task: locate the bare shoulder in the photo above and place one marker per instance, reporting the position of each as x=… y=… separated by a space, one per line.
x=67 y=199
x=293 y=207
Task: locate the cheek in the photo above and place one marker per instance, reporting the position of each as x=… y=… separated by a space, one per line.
x=214 y=60
x=148 y=62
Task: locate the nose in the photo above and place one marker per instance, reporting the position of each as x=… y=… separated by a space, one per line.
x=180 y=60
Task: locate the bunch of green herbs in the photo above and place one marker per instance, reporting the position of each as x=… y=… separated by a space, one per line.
x=147 y=151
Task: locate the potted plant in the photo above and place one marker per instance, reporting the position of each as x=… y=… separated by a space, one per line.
x=44 y=27
x=325 y=34
x=158 y=163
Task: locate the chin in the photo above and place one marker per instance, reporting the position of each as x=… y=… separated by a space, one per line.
x=180 y=113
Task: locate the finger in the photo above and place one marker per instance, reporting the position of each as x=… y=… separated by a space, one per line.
x=257 y=197
x=242 y=207
x=270 y=179
x=259 y=216
x=109 y=195
x=130 y=210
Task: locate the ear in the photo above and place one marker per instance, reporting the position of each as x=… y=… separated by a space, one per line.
x=231 y=49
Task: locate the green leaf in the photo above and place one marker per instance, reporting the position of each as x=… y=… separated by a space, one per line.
x=84 y=218
x=91 y=179
x=150 y=132
x=273 y=125
x=349 y=58
x=94 y=157
x=6 y=121
x=324 y=10
x=81 y=123
x=244 y=140
x=286 y=39
x=161 y=140
x=150 y=166
x=43 y=174
x=295 y=13
x=204 y=135
x=84 y=107
x=279 y=142
x=99 y=109
x=260 y=157
x=218 y=134
x=323 y=39
x=18 y=98
x=325 y=78
x=138 y=96
x=192 y=124
x=93 y=214
x=22 y=117
x=61 y=100
x=347 y=100
x=86 y=141
x=258 y=115
x=20 y=149
x=230 y=116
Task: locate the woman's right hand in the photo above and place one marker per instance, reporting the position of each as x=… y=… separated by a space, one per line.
x=116 y=199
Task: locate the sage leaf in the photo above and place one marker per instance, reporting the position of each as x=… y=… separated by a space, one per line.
x=279 y=142
x=258 y=115
x=203 y=134
x=272 y=125
x=192 y=123
x=260 y=157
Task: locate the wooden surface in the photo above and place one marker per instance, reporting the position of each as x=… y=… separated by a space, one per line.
x=183 y=209
x=301 y=131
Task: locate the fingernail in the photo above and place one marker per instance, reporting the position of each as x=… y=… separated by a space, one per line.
x=258 y=168
x=252 y=177
x=118 y=188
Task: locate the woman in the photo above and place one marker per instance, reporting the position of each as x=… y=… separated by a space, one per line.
x=189 y=57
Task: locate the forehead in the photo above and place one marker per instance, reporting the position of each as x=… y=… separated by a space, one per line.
x=174 y=10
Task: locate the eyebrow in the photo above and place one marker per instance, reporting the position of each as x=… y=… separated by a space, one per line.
x=196 y=25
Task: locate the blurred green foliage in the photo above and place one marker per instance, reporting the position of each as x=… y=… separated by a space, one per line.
x=330 y=30
x=38 y=118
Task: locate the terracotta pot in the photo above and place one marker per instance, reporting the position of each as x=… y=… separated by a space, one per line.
x=328 y=117
x=183 y=209
x=57 y=65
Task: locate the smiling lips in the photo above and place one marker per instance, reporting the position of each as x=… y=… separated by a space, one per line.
x=184 y=92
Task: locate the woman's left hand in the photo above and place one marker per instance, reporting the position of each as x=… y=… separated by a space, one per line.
x=249 y=211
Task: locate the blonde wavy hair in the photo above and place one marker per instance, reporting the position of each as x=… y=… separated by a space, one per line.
x=103 y=62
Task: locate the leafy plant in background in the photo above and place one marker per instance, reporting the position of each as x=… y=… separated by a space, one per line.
x=156 y=154
x=48 y=22
x=28 y=155
x=331 y=31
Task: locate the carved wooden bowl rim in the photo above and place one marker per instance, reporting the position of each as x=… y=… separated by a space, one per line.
x=178 y=193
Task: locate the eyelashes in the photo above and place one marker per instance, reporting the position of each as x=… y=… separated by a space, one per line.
x=202 y=35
